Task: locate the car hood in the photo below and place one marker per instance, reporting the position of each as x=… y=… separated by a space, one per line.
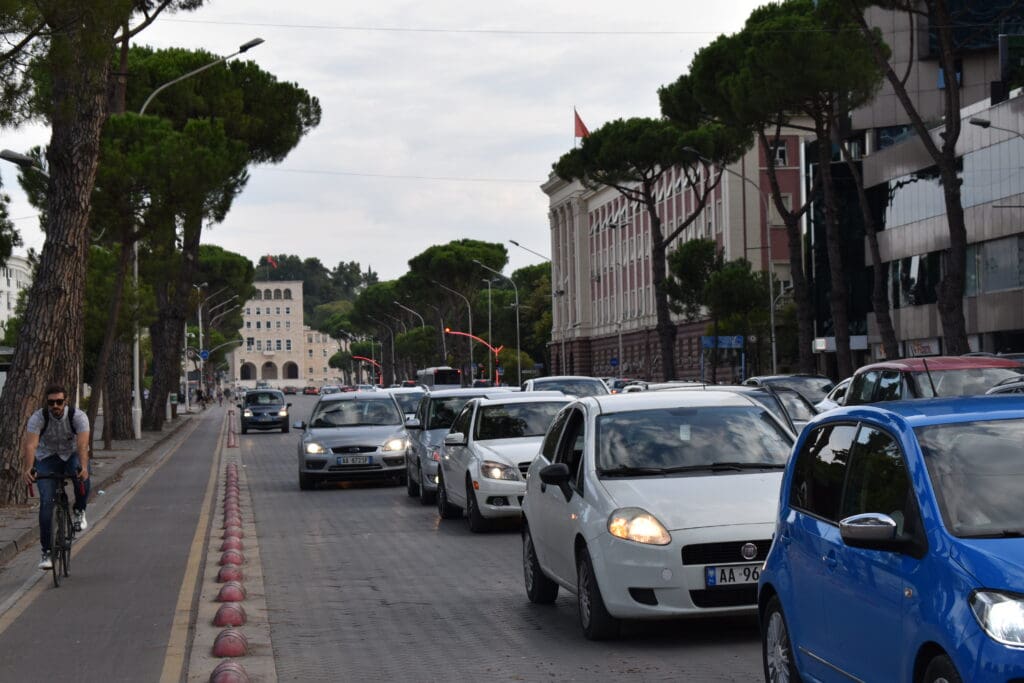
x=345 y=436
x=265 y=409
x=510 y=451
x=703 y=501
x=994 y=562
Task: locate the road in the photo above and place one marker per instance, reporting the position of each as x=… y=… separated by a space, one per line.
x=362 y=583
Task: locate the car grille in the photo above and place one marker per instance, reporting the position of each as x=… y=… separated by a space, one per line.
x=353 y=468
x=731 y=596
x=524 y=467
x=723 y=553
x=347 y=450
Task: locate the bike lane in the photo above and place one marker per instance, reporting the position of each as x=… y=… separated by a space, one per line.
x=111 y=619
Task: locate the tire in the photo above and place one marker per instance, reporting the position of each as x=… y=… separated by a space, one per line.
x=69 y=536
x=776 y=645
x=941 y=670
x=306 y=482
x=284 y=430
x=245 y=429
x=426 y=497
x=477 y=522
x=412 y=489
x=539 y=588
x=596 y=622
x=445 y=509
x=56 y=543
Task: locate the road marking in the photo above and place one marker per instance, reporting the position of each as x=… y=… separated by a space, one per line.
x=177 y=644
x=10 y=615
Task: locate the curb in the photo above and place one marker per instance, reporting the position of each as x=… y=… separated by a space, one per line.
x=30 y=537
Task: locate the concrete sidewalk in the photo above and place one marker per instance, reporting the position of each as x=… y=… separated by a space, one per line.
x=19 y=525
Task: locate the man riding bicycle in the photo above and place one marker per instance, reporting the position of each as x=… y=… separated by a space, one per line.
x=57 y=442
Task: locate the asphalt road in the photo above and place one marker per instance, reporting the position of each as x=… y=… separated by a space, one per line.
x=363 y=583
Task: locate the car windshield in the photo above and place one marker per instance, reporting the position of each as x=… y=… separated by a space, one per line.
x=358 y=412
x=812 y=388
x=408 y=400
x=444 y=410
x=797 y=406
x=264 y=398
x=574 y=387
x=970 y=382
x=514 y=420
x=977 y=473
x=678 y=439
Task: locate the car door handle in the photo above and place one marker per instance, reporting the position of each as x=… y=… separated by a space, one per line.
x=785 y=538
x=543 y=487
x=830 y=560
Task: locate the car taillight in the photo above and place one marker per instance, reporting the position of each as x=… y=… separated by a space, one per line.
x=435 y=455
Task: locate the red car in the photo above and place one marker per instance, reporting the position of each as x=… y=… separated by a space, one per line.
x=893 y=380
x=311 y=391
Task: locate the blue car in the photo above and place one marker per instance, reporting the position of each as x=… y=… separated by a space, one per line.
x=899 y=548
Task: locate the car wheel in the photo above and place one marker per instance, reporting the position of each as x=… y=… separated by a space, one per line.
x=941 y=670
x=444 y=508
x=245 y=429
x=776 y=646
x=426 y=497
x=477 y=522
x=539 y=588
x=306 y=481
x=412 y=488
x=596 y=622
x=284 y=429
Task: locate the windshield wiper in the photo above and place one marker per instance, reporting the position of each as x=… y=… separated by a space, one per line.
x=1004 y=533
x=627 y=471
x=725 y=467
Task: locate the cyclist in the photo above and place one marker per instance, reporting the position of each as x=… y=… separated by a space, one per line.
x=55 y=444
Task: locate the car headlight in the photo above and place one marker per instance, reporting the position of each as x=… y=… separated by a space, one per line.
x=394 y=445
x=283 y=412
x=313 y=448
x=636 y=524
x=1001 y=615
x=497 y=470
x=247 y=413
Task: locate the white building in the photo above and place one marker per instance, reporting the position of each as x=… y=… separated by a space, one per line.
x=16 y=275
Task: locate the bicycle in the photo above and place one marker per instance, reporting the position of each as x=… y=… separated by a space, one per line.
x=62 y=528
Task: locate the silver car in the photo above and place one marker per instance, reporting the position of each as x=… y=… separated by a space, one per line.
x=350 y=436
x=435 y=414
x=572 y=385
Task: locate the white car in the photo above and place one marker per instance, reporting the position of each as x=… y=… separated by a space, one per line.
x=573 y=385
x=656 y=505
x=487 y=452
x=834 y=398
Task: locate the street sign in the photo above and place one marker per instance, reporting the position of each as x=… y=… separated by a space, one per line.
x=613 y=361
x=724 y=342
x=500 y=370
x=204 y=354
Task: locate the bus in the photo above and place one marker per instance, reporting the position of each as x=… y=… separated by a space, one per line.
x=440 y=378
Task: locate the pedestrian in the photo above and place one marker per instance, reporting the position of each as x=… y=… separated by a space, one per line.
x=57 y=442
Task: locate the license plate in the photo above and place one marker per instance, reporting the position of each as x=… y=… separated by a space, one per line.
x=731 y=575
x=354 y=460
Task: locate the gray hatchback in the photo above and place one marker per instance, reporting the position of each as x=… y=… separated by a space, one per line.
x=350 y=436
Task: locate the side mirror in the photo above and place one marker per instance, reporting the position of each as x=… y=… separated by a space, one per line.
x=557 y=474
x=412 y=423
x=454 y=439
x=299 y=424
x=287 y=405
x=877 y=531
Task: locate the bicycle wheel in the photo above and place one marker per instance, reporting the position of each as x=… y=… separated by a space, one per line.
x=69 y=535
x=56 y=542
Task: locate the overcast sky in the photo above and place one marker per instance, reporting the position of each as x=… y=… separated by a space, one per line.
x=440 y=119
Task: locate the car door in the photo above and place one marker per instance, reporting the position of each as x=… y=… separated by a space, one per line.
x=807 y=532
x=563 y=516
x=455 y=456
x=539 y=506
x=868 y=586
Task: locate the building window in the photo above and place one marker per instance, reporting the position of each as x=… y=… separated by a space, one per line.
x=248 y=324
x=309 y=339
x=257 y=324
x=310 y=372
x=310 y=352
x=249 y=343
x=287 y=324
x=278 y=345
x=257 y=310
x=287 y=310
x=287 y=344
x=277 y=311
x=779 y=154
x=259 y=344
x=268 y=310
x=325 y=353
x=278 y=324
x=247 y=310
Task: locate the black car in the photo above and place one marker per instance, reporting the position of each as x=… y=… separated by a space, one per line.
x=264 y=409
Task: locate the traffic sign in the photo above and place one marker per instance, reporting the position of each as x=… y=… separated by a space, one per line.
x=613 y=361
x=500 y=370
x=724 y=342
x=204 y=354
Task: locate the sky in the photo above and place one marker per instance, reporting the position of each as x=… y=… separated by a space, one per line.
x=440 y=121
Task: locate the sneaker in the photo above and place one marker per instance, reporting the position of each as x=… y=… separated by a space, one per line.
x=47 y=561
x=79 y=520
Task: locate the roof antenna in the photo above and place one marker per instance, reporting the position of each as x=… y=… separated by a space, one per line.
x=929 y=372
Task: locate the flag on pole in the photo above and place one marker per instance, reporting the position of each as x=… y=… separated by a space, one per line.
x=581 y=129
x=271 y=261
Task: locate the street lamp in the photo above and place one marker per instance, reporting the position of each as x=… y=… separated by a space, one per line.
x=199 y=313
x=392 y=333
x=422 y=324
x=537 y=253
x=444 y=344
x=519 y=352
x=22 y=160
x=768 y=246
x=469 y=313
x=974 y=121
x=137 y=401
x=490 y=335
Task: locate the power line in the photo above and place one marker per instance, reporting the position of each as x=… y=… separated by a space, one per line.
x=389 y=176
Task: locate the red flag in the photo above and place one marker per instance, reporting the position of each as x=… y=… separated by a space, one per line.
x=272 y=261
x=581 y=129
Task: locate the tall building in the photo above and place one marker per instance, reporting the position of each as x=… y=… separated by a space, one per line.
x=15 y=276
x=278 y=347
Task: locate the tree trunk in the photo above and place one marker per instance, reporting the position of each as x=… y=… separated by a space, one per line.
x=50 y=341
x=118 y=420
x=840 y=293
x=665 y=327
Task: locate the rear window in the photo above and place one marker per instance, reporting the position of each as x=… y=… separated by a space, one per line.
x=970 y=382
x=263 y=398
x=574 y=387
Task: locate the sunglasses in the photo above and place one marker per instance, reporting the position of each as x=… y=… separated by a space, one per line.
x=54 y=401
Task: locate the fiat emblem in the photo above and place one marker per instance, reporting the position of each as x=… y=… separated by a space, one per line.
x=748 y=551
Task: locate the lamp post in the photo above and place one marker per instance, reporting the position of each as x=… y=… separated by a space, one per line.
x=199 y=313
x=536 y=253
x=490 y=335
x=422 y=323
x=392 y=333
x=469 y=313
x=978 y=121
x=768 y=246
x=444 y=344
x=519 y=352
x=137 y=401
